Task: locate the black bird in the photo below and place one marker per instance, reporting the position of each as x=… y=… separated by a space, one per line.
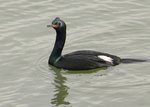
x=80 y=60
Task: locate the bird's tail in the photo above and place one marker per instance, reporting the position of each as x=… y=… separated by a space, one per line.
x=130 y=60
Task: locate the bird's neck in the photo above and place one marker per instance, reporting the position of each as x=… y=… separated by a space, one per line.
x=58 y=47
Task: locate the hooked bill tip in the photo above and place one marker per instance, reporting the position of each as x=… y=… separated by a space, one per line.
x=49 y=26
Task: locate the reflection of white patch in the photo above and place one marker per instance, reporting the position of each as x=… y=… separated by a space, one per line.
x=106 y=58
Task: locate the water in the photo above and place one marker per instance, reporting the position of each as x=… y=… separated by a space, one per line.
x=113 y=26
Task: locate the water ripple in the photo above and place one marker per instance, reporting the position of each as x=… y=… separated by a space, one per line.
x=113 y=26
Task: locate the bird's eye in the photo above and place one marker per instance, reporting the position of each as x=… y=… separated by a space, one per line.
x=56 y=23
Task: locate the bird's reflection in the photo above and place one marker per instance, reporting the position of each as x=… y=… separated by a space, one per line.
x=61 y=90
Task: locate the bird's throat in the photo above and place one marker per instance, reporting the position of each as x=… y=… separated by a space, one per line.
x=58 y=47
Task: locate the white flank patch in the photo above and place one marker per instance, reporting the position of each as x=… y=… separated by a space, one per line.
x=106 y=58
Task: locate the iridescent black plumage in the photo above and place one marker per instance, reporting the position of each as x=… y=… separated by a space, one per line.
x=80 y=60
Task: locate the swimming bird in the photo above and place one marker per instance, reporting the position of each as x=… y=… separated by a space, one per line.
x=82 y=59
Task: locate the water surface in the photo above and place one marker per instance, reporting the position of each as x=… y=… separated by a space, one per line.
x=113 y=26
